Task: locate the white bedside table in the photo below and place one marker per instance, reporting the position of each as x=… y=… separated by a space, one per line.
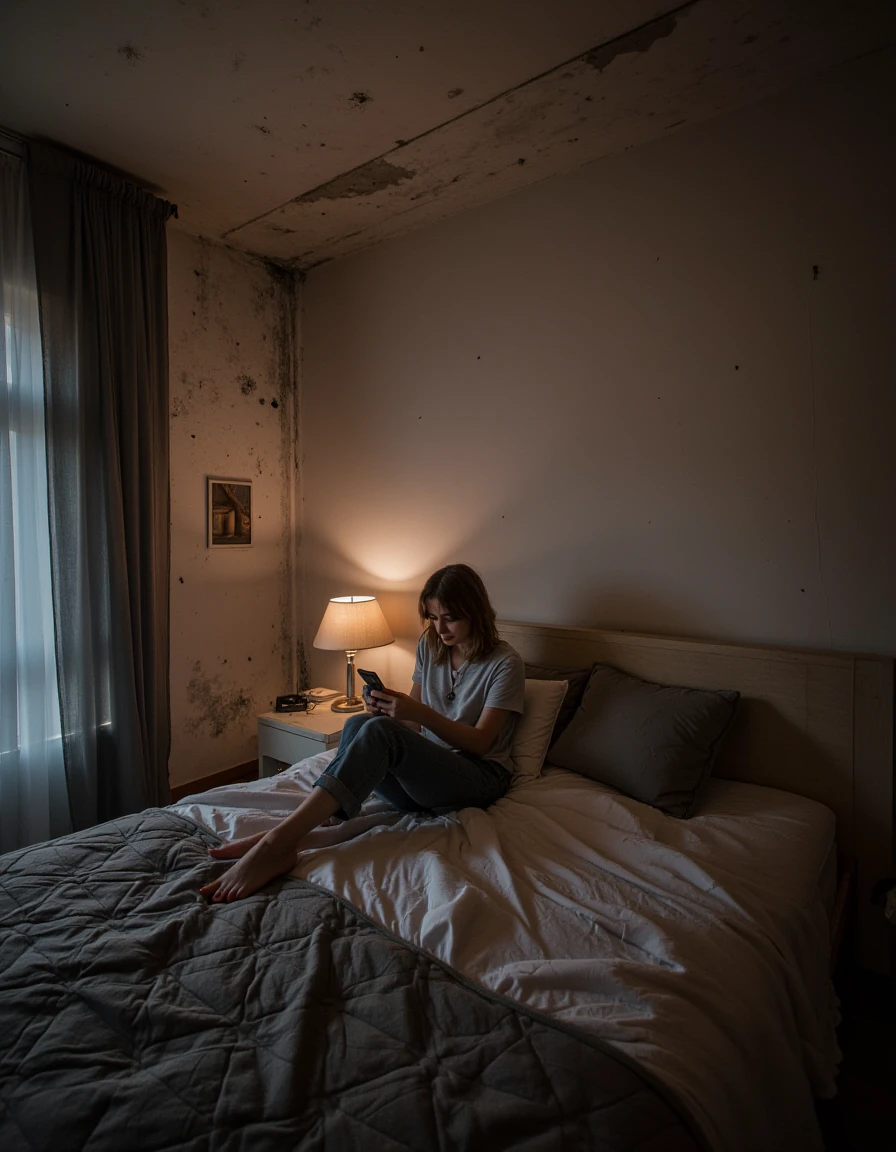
x=285 y=737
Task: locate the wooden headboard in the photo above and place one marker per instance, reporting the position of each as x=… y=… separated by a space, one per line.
x=815 y=723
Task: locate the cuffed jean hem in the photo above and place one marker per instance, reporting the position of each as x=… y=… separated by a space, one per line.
x=349 y=804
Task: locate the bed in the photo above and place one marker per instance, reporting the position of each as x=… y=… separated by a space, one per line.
x=570 y=969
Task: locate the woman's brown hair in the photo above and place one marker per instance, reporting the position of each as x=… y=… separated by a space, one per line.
x=461 y=592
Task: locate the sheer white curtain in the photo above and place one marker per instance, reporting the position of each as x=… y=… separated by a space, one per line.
x=33 y=794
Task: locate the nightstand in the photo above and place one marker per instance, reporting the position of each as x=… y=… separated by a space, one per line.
x=286 y=737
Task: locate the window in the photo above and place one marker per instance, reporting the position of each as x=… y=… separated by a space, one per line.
x=33 y=796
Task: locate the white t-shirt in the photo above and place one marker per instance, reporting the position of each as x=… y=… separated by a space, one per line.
x=497 y=681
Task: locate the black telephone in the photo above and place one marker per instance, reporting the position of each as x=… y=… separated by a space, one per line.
x=371 y=679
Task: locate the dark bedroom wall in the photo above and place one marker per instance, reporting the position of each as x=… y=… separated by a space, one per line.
x=655 y=393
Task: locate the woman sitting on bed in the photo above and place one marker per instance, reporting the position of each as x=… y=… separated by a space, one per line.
x=444 y=746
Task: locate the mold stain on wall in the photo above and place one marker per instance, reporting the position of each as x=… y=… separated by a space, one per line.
x=232 y=324
x=284 y=369
x=215 y=707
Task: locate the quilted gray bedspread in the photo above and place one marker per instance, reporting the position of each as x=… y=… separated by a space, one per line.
x=135 y=1016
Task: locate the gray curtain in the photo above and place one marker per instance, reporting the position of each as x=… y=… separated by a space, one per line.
x=101 y=260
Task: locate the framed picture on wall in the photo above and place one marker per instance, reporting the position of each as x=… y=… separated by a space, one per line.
x=229 y=513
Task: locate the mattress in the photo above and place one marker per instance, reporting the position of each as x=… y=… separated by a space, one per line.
x=698 y=947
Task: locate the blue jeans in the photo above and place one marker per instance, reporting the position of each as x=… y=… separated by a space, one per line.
x=378 y=754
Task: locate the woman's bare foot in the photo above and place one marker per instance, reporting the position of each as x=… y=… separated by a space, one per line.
x=262 y=862
x=234 y=848
x=262 y=857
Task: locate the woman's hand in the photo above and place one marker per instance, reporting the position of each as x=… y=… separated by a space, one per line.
x=397 y=705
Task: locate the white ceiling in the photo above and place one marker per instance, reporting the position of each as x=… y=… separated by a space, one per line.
x=308 y=129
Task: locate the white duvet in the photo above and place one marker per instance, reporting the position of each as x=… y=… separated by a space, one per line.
x=699 y=947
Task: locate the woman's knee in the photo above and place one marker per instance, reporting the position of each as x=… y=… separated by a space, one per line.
x=354 y=723
x=379 y=728
x=366 y=734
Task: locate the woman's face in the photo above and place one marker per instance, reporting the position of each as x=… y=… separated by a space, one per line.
x=451 y=631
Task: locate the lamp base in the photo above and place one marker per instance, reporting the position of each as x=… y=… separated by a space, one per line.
x=347 y=704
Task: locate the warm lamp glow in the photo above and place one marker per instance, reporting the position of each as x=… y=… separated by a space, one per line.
x=350 y=624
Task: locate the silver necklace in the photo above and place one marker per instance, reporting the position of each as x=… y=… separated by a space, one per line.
x=456 y=677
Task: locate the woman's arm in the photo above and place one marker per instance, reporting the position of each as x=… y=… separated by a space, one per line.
x=415 y=695
x=412 y=711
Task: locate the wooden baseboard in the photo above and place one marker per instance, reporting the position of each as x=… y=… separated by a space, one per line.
x=236 y=775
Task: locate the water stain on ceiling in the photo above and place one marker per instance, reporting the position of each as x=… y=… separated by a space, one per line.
x=304 y=132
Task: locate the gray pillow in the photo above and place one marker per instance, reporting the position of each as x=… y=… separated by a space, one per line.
x=576 y=678
x=653 y=742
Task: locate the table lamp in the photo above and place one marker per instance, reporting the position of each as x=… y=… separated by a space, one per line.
x=350 y=624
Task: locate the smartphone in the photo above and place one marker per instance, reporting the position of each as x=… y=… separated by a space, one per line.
x=371 y=679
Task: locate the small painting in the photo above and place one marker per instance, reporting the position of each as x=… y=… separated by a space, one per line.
x=229 y=513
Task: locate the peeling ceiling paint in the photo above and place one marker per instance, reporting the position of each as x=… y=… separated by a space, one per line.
x=305 y=132
x=638 y=40
x=363 y=181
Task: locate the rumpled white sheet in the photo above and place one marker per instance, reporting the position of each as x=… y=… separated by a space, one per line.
x=699 y=947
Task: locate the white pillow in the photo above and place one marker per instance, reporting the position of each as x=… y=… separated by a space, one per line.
x=533 y=729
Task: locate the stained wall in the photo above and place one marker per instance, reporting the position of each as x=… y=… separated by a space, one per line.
x=653 y=394
x=233 y=357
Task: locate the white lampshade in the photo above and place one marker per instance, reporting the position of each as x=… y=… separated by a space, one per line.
x=350 y=624
x=353 y=623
